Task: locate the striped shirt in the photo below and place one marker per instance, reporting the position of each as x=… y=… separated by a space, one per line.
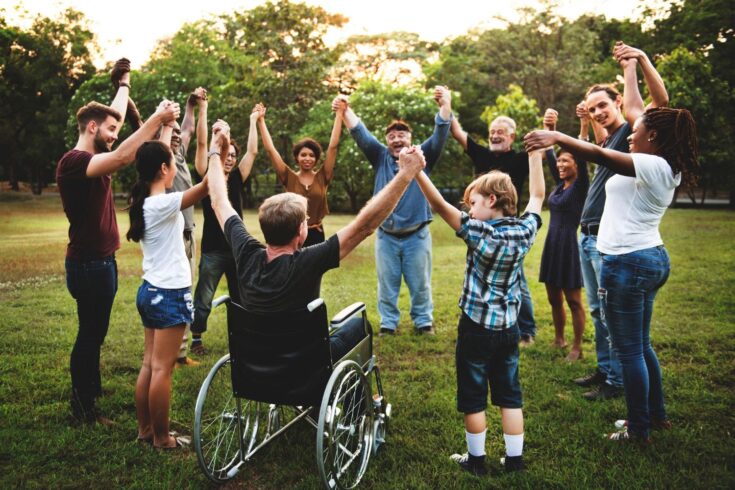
x=491 y=294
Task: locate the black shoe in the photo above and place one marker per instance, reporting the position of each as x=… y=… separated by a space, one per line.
x=386 y=331
x=603 y=392
x=513 y=463
x=471 y=464
x=426 y=330
x=596 y=378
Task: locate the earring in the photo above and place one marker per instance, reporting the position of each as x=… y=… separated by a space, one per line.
x=650 y=139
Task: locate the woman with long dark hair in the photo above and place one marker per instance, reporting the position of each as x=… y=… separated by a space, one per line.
x=164 y=299
x=635 y=264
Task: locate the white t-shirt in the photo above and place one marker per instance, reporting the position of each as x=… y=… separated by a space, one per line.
x=635 y=205
x=164 y=258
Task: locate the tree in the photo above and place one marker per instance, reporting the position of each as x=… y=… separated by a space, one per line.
x=692 y=85
x=41 y=68
x=394 y=57
x=517 y=106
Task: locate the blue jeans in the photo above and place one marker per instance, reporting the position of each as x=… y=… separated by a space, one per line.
x=93 y=284
x=590 y=260
x=526 y=323
x=410 y=258
x=628 y=287
x=212 y=265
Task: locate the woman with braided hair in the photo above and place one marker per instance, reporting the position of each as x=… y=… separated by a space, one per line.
x=635 y=264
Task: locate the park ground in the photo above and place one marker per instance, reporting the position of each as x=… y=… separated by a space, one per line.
x=693 y=332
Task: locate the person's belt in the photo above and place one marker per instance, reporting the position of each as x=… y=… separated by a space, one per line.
x=188 y=234
x=316 y=226
x=590 y=229
x=403 y=233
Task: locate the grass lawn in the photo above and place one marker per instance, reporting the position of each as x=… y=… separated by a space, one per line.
x=693 y=332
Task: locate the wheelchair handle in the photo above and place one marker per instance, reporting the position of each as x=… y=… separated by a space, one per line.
x=222 y=299
x=314 y=304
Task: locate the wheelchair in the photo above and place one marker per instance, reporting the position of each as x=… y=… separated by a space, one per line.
x=279 y=371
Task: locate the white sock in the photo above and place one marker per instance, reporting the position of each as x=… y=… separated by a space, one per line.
x=476 y=443
x=513 y=445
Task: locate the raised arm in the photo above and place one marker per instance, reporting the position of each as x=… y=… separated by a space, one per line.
x=551 y=116
x=120 y=77
x=410 y=162
x=194 y=194
x=364 y=139
x=449 y=213
x=167 y=130
x=108 y=163
x=458 y=133
x=187 y=124
x=246 y=164
x=217 y=185
x=618 y=162
x=278 y=164
x=536 y=185
x=331 y=157
x=200 y=159
x=654 y=82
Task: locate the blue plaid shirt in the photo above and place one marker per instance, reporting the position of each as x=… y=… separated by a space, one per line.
x=491 y=294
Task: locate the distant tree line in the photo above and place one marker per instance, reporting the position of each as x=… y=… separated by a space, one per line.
x=275 y=54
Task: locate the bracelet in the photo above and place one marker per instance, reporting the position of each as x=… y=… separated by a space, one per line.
x=212 y=153
x=583 y=137
x=124 y=84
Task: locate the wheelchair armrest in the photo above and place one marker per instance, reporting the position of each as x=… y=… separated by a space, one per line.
x=314 y=304
x=346 y=313
x=222 y=299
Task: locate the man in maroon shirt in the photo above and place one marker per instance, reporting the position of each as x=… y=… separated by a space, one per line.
x=83 y=176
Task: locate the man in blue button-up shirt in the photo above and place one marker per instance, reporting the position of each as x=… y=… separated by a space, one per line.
x=403 y=244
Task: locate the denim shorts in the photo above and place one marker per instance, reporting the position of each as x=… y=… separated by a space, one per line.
x=487 y=357
x=164 y=308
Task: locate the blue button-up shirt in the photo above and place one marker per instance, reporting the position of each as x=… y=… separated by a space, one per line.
x=491 y=294
x=413 y=209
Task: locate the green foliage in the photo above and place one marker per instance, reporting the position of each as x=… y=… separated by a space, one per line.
x=691 y=84
x=517 y=106
x=40 y=69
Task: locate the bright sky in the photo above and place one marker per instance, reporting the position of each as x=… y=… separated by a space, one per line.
x=132 y=28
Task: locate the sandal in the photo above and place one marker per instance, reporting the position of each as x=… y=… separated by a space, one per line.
x=181 y=443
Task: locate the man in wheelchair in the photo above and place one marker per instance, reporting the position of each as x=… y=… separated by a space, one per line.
x=281 y=275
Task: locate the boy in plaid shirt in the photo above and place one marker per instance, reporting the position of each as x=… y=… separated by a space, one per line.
x=487 y=342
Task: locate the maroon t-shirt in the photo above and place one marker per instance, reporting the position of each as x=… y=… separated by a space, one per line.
x=89 y=207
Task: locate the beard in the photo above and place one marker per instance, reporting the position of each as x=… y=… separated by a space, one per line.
x=100 y=145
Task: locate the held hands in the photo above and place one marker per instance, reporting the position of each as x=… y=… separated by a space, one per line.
x=550 y=118
x=626 y=55
x=258 y=112
x=120 y=72
x=220 y=138
x=442 y=95
x=411 y=160
x=581 y=111
x=539 y=140
x=197 y=97
x=168 y=111
x=340 y=103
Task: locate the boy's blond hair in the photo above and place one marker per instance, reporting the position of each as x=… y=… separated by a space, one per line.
x=498 y=184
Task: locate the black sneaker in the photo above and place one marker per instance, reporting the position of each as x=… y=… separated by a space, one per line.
x=386 y=331
x=471 y=464
x=513 y=463
x=603 y=392
x=426 y=330
x=596 y=378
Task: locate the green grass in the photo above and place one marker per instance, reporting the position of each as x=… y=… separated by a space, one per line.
x=693 y=333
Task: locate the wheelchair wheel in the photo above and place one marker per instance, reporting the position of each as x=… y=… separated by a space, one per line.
x=345 y=430
x=217 y=420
